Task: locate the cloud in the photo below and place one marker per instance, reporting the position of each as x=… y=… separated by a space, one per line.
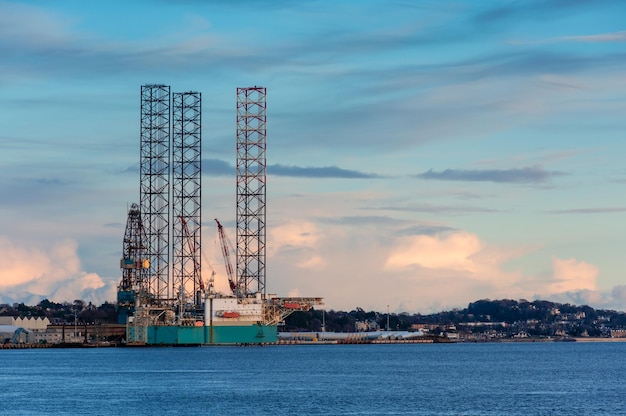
x=477 y=269
x=451 y=251
x=427 y=230
x=416 y=267
x=383 y=263
x=602 y=37
x=360 y=220
x=536 y=174
x=318 y=172
x=597 y=38
x=390 y=113
x=221 y=168
x=217 y=167
x=53 y=272
x=503 y=13
x=33 y=190
x=29 y=33
x=33 y=26
x=572 y=275
x=19 y=266
x=296 y=238
x=607 y=210
x=612 y=299
x=439 y=209
x=211 y=167
x=491 y=67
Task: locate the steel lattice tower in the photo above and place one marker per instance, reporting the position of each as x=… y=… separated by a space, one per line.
x=155 y=185
x=133 y=263
x=186 y=187
x=251 y=188
x=131 y=292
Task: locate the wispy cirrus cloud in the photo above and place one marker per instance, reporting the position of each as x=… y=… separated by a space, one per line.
x=600 y=210
x=319 y=172
x=602 y=37
x=427 y=229
x=217 y=167
x=214 y=167
x=222 y=168
x=358 y=220
x=619 y=36
x=535 y=174
x=534 y=9
x=34 y=190
x=438 y=209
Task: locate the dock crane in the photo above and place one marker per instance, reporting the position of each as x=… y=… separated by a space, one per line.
x=225 y=242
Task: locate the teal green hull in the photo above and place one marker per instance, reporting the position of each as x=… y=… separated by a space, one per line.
x=205 y=335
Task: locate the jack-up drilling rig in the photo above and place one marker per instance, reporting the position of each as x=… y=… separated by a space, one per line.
x=182 y=309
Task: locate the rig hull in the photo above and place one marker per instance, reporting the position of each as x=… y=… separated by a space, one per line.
x=226 y=321
x=207 y=335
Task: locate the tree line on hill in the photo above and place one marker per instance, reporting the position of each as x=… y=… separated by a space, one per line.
x=536 y=318
x=505 y=317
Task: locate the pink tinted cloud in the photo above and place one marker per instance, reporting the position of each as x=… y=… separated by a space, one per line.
x=416 y=273
x=572 y=275
x=52 y=272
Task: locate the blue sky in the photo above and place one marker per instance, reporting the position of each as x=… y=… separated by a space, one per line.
x=421 y=155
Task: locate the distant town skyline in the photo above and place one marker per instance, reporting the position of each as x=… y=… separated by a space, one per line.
x=421 y=155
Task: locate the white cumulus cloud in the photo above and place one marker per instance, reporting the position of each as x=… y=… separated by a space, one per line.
x=451 y=251
x=53 y=272
x=571 y=275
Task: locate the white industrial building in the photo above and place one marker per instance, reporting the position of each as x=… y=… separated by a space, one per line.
x=27 y=330
x=36 y=323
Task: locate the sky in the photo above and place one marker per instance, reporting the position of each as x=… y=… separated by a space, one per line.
x=421 y=155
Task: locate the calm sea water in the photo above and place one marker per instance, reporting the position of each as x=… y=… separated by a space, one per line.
x=413 y=379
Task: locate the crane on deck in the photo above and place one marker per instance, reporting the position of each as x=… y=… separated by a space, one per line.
x=196 y=264
x=225 y=242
